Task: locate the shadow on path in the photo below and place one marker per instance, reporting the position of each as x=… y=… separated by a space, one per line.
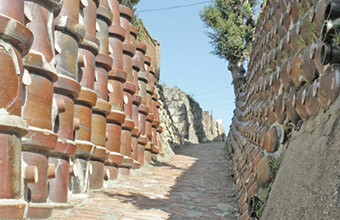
x=204 y=190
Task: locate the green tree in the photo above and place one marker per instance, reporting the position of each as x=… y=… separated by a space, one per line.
x=129 y=3
x=231 y=23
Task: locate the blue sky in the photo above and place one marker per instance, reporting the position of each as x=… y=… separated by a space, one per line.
x=186 y=60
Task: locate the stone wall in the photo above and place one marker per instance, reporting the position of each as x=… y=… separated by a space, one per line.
x=193 y=124
x=283 y=138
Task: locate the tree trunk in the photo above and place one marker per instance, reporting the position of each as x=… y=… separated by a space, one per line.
x=237 y=71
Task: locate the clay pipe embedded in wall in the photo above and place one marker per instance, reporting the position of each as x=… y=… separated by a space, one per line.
x=308 y=67
x=332 y=11
x=330 y=30
x=330 y=54
x=316 y=15
x=329 y=86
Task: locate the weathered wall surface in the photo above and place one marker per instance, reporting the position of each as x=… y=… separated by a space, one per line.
x=193 y=124
x=170 y=137
x=307 y=183
x=283 y=136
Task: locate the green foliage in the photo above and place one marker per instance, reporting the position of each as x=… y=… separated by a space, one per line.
x=336 y=37
x=263 y=191
x=302 y=10
x=283 y=55
x=129 y=3
x=301 y=42
x=263 y=194
x=140 y=27
x=267 y=70
x=274 y=165
x=232 y=25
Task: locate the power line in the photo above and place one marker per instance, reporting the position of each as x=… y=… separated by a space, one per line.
x=221 y=99
x=174 y=7
x=212 y=91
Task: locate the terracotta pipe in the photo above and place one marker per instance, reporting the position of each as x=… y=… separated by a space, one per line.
x=150 y=117
x=332 y=10
x=116 y=79
x=100 y=111
x=330 y=54
x=143 y=110
x=130 y=89
x=290 y=108
x=155 y=125
x=159 y=139
x=262 y=135
x=31 y=174
x=113 y=127
x=137 y=100
x=293 y=10
x=285 y=21
x=301 y=103
x=125 y=166
x=312 y=104
x=280 y=109
x=296 y=70
x=329 y=86
x=103 y=60
x=37 y=110
x=116 y=38
x=98 y=137
x=112 y=163
x=330 y=30
x=307 y=66
x=274 y=82
x=101 y=136
x=16 y=40
x=156 y=122
x=86 y=101
x=270 y=113
x=142 y=142
x=69 y=35
x=316 y=49
x=51 y=171
x=284 y=74
x=316 y=15
x=96 y=177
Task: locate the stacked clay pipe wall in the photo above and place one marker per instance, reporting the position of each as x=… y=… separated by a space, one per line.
x=292 y=79
x=74 y=101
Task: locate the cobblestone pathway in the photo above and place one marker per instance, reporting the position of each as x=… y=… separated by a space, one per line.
x=195 y=184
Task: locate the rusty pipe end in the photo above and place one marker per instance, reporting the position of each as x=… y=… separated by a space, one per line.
x=107 y=136
x=71 y=170
x=327 y=11
x=83 y=3
x=313 y=50
x=304 y=96
x=76 y=124
x=315 y=87
x=325 y=54
x=61 y=105
x=51 y=174
x=107 y=175
x=311 y=14
x=327 y=31
x=31 y=174
x=332 y=10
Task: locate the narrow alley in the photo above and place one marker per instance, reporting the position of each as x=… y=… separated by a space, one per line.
x=196 y=184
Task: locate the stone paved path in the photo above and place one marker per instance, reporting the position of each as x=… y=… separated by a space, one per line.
x=195 y=184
